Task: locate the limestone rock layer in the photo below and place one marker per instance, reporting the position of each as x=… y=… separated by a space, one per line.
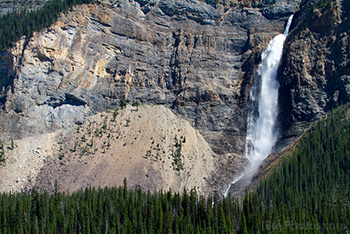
x=197 y=59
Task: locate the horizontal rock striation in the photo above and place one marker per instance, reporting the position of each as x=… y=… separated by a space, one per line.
x=8 y=6
x=315 y=70
x=196 y=58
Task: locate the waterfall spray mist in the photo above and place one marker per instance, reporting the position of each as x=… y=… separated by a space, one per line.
x=261 y=131
x=262 y=117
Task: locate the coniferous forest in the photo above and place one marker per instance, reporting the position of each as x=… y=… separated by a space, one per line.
x=307 y=192
x=22 y=22
x=115 y=210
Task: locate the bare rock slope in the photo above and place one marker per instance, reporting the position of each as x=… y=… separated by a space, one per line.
x=147 y=145
x=193 y=58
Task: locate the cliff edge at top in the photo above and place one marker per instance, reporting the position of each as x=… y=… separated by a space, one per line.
x=196 y=58
x=315 y=72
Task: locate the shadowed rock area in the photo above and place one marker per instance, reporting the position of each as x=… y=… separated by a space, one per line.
x=315 y=71
x=194 y=58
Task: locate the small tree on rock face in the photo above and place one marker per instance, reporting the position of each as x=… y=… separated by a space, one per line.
x=2 y=153
x=125 y=188
x=115 y=114
x=12 y=144
x=123 y=102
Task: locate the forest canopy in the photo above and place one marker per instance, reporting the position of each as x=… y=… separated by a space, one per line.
x=307 y=192
x=24 y=22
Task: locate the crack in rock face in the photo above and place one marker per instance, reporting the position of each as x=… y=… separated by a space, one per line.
x=194 y=58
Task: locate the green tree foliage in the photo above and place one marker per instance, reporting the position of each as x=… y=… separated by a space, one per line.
x=324 y=4
x=308 y=192
x=114 y=210
x=16 y=24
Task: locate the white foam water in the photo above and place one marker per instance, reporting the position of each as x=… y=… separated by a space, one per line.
x=261 y=128
x=262 y=117
x=232 y=183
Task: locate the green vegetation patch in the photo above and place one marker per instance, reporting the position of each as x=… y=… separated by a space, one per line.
x=309 y=190
x=327 y=4
x=116 y=210
x=16 y=24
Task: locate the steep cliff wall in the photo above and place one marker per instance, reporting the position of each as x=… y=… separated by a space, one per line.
x=194 y=58
x=315 y=70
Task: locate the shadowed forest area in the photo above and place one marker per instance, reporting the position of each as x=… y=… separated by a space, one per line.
x=307 y=192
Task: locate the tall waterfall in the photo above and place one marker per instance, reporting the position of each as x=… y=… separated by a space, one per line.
x=261 y=129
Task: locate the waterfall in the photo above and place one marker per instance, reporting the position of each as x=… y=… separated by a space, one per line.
x=233 y=182
x=261 y=129
x=262 y=116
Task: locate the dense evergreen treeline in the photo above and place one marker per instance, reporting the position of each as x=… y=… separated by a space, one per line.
x=18 y=23
x=308 y=192
x=116 y=210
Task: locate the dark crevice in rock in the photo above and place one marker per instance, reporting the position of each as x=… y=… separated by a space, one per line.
x=142 y=2
x=203 y=73
x=74 y=101
x=175 y=69
x=99 y=23
x=7 y=75
x=69 y=99
x=2 y=102
x=314 y=69
x=26 y=41
x=245 y=48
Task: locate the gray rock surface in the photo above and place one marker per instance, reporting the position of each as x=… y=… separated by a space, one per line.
x=7 y=6
x=196 y=58
x=315 y=69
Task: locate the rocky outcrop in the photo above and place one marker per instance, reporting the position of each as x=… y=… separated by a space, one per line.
x=148 y=145
x=15 y=5
x=315 y=70
x=195 y=58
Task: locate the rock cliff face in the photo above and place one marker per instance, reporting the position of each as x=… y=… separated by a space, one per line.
x=315 y=70
x=7 y=6
x=194 y=58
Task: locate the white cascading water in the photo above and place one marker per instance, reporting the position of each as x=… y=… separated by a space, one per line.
x=261 y=129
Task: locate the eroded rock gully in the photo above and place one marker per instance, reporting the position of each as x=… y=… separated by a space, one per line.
x=194 y=58
x=314 y=72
